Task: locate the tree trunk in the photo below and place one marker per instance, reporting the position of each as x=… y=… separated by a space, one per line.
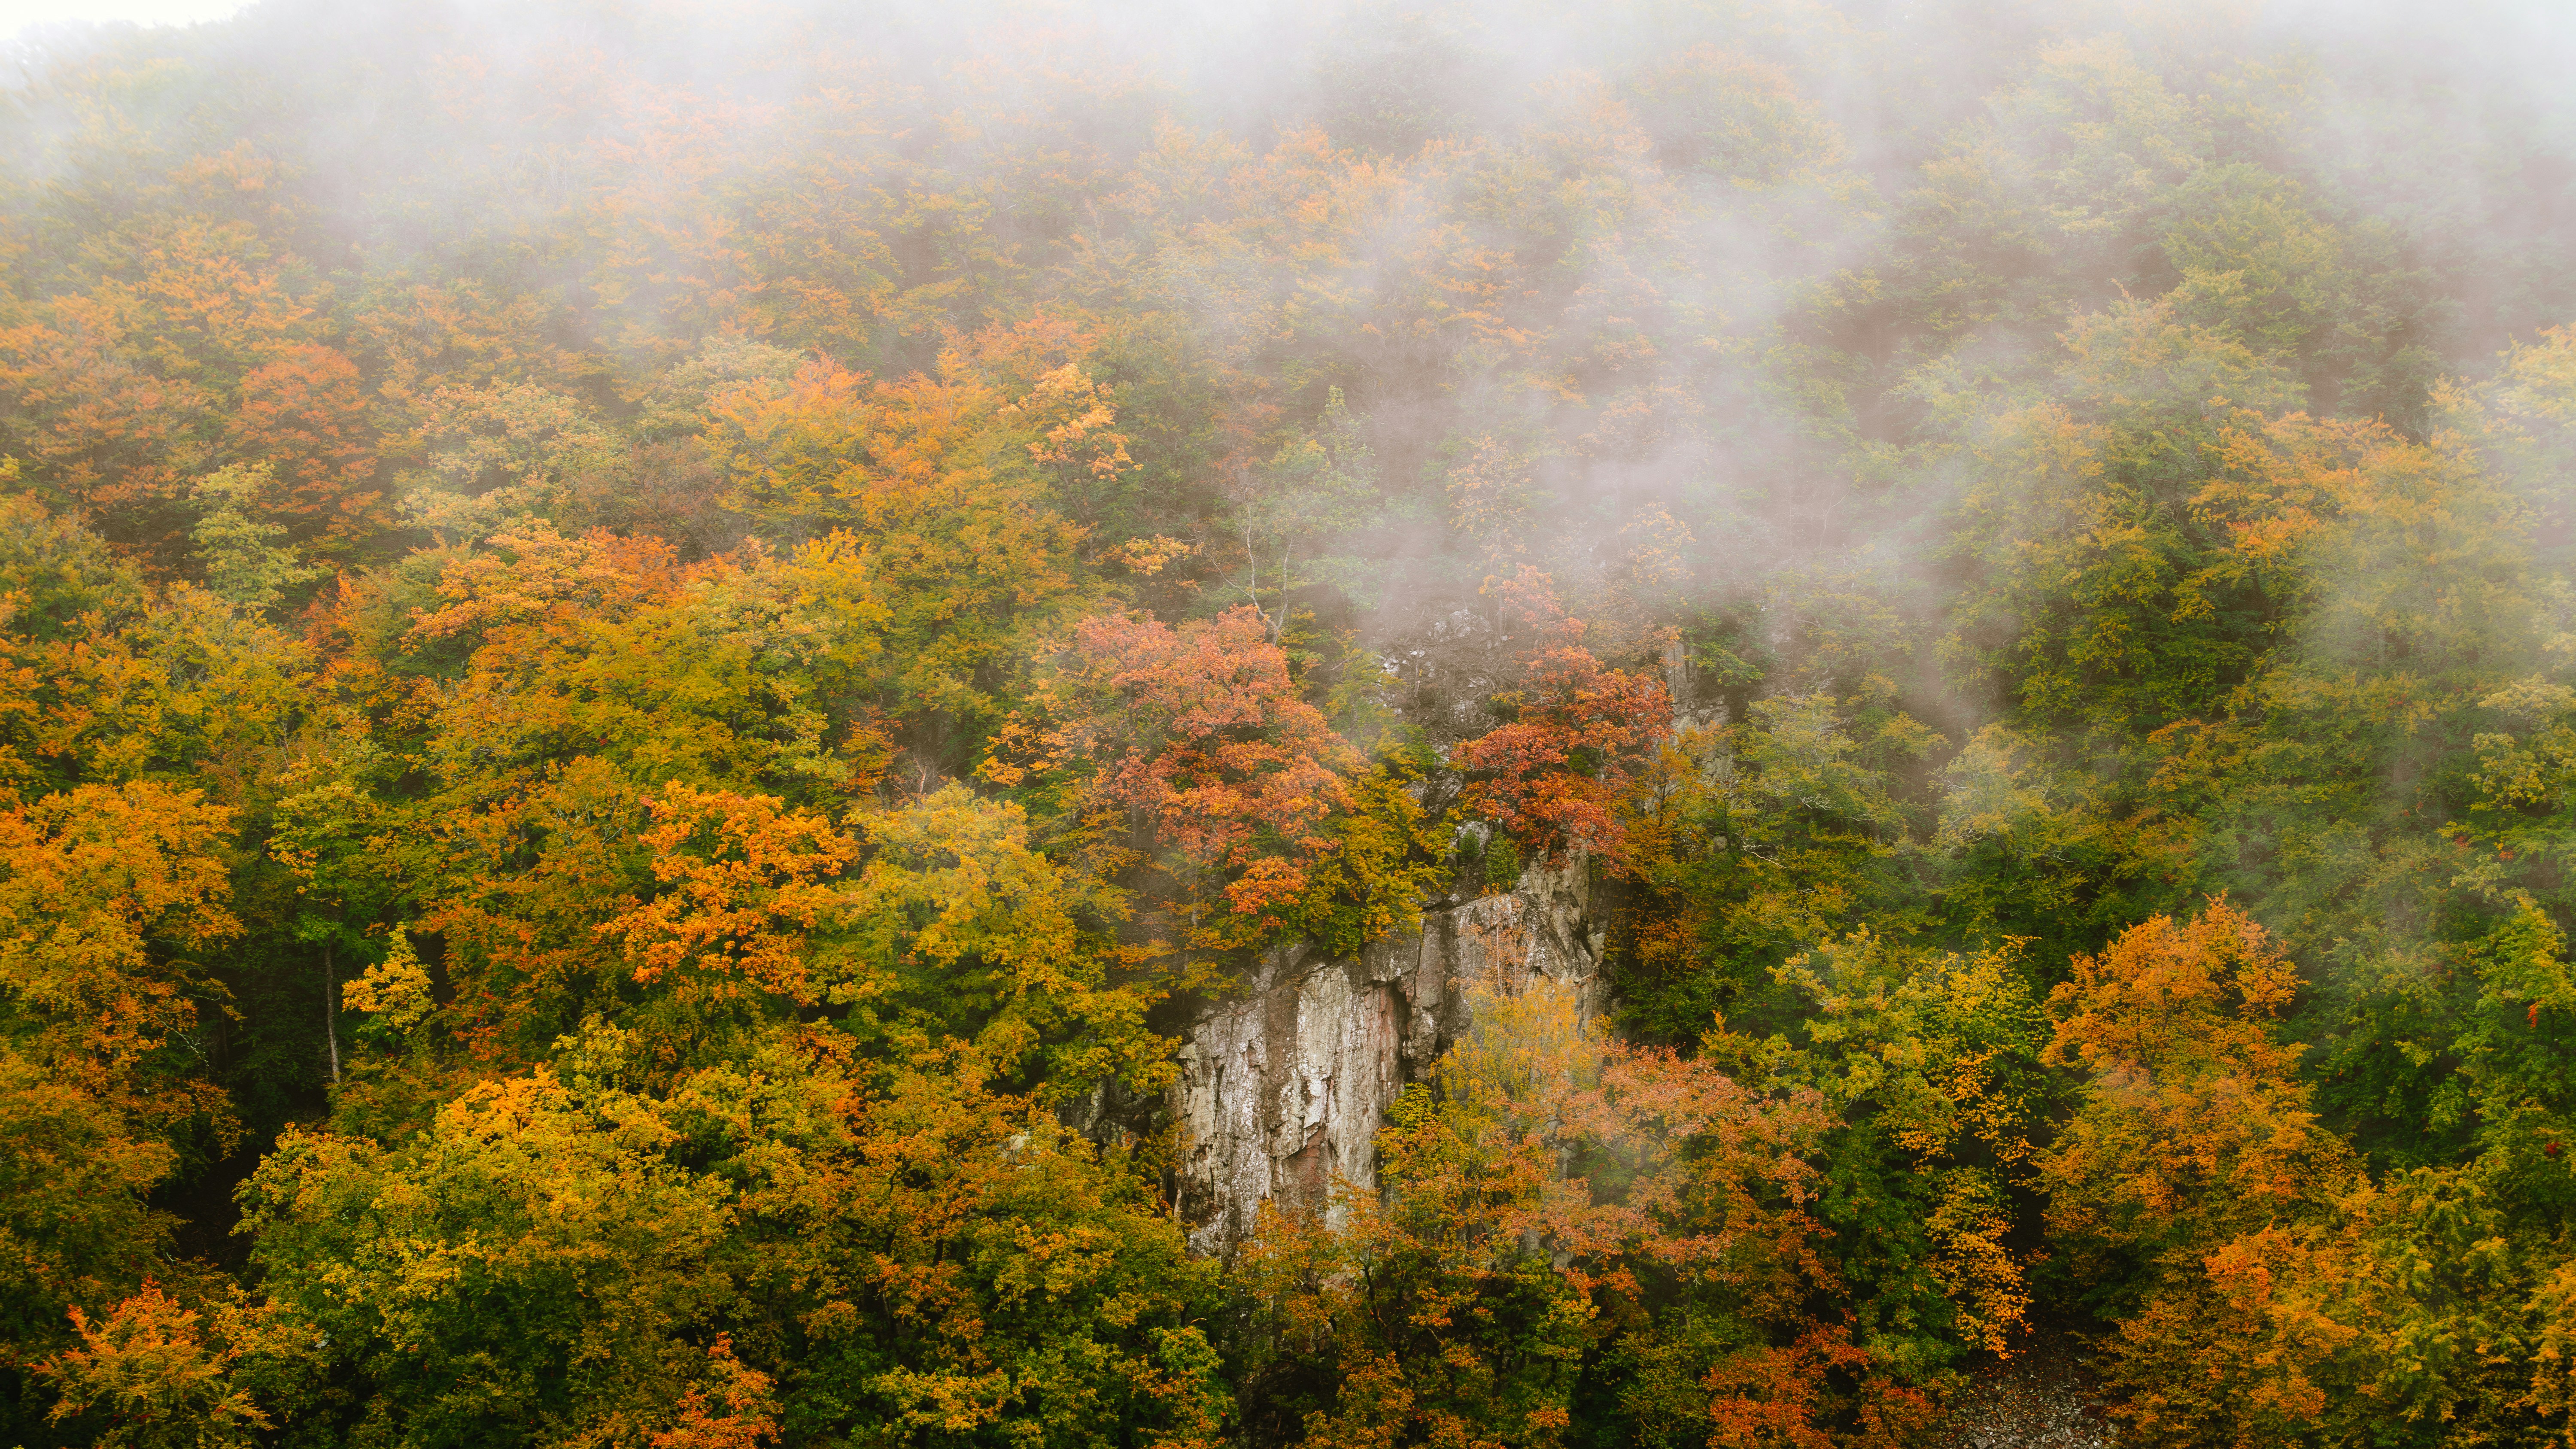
x=331 y=1012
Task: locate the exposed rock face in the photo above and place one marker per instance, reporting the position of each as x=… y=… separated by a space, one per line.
x=1284 y=1086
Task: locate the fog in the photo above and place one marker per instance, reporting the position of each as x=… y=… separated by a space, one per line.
x=1929 y=495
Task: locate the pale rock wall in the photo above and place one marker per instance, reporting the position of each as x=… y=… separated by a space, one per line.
x=1285 y=1084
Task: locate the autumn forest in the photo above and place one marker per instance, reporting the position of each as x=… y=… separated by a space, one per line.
x=667 y=670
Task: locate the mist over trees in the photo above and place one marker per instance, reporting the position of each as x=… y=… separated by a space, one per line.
x=651 y=654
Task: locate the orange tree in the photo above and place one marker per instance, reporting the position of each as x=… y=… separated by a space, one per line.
x=1190 y=755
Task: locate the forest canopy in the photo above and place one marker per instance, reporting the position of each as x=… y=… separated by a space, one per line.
x=656 y=656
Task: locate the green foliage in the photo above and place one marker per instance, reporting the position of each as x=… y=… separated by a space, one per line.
x=1388 y=854
x=244 y=565
x=1931 y=1066
x=766 y=1244
x=776 y=631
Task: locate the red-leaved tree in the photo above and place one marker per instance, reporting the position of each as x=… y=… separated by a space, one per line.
x=1195 y=741
x=1553 y=776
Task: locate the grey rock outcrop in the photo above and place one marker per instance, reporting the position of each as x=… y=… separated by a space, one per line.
x=1285 y=1084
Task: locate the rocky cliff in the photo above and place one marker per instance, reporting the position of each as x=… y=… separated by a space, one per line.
x=1285 y=1084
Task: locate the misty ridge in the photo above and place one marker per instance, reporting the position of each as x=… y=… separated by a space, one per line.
x=1773 y=725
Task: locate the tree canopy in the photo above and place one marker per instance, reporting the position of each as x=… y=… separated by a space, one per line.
x=652 y=654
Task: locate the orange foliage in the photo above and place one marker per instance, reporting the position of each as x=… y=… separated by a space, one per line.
x=108 y=433
x=1554 y=775
x=940 y=485
x=2197 y=1119
x=540 y=585
x=2195 y=1150
x=744 y=881
x=157 y=1374
x=1787 y=1397
x=519 y=881
x=105 y=888
x=740 y=1414
x=1197 y=735
x=303 y=414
